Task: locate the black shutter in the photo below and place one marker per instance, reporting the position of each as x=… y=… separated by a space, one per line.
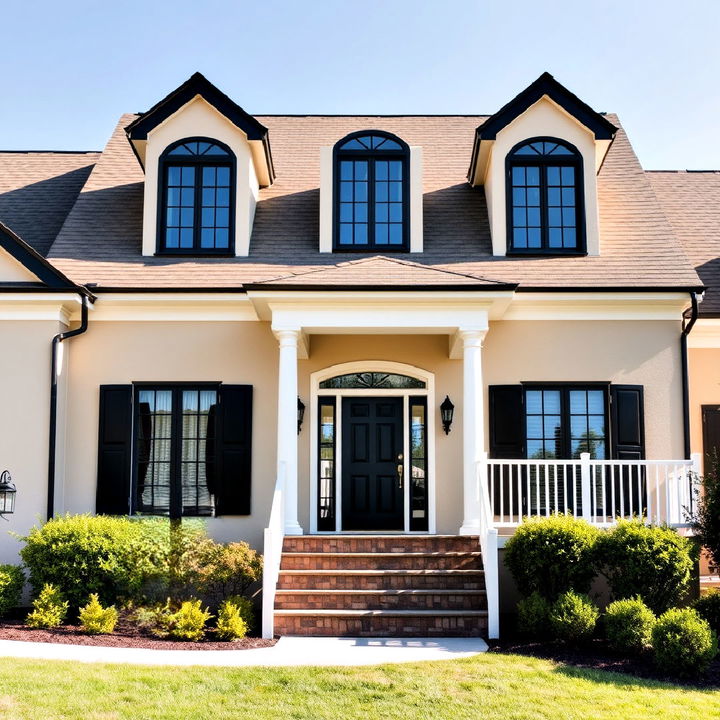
x=507 y=422
x=233 y=450
x=627 y=422
x=114 y=450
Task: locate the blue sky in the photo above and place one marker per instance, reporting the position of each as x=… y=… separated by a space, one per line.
x=71 y=68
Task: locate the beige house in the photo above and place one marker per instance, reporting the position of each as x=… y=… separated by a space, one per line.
x=367 y=345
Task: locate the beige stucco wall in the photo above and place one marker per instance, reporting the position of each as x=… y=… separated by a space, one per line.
x=13 y=271
x=645 y=353
x=24 y=418
x=704 y=370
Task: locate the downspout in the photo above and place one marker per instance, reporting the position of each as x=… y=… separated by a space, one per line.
x=53 y=400
x=687 y=326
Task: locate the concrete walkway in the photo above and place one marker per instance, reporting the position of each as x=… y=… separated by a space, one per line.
x=288 y=651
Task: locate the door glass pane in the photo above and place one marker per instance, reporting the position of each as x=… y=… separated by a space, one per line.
x=326 y=466
x=418 y=465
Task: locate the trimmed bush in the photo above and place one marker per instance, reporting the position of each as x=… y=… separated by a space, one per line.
x=220 y=572
x=683 y=643
x=246 y=607
x=628 y=625
x=573 y=617
x=49 y=609
x=552 y=555
x=708 y=608
x=97 y=620
x=653 y=562
x=116 y=558
x=230 y=624
x=12 y=580
x=533 y=613
x=186 y=623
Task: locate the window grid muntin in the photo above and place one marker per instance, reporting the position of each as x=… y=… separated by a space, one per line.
x=555 y=238
x=397 y=230
x=181 y=449
x=208 y=238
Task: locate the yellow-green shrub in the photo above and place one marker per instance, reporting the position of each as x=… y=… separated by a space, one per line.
x=97 y=620
x=49 y=608
x=230 y=624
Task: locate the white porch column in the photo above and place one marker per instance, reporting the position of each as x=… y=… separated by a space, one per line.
x=287 y=439
x=473 y=426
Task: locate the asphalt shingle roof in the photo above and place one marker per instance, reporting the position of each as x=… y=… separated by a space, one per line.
x=100 y=241
x=691 y=201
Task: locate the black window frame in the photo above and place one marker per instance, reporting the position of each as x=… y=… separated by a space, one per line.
x=198 y=161
x=565 y=388
x=175 y=505
x=327 y=524
x=403 y=154
x=542 y=161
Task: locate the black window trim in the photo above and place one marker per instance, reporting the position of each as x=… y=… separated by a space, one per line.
x=202 y=161
x=565 y=388
x=404 y=156
x=176 y=387
x=576 y=161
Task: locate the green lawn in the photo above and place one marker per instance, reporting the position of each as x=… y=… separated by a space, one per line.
x=488 y=686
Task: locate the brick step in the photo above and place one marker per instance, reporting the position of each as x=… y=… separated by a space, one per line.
x=381 y=623
x=381 y=579
x=381 y=560
x=380 y=543
x=380 y=600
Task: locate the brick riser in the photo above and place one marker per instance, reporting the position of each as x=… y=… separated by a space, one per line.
x=388 y=561
x=371 y=586
x=381 y=626
x=352 y=601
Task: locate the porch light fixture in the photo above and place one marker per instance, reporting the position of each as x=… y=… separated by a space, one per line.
x=300 y=414
x=7 y=494
x=446 y=413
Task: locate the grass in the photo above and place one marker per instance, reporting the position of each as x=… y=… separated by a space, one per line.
x=489 y=686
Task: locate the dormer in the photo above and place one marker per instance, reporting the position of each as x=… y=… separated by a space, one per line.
x=205 y=160
x=537 y=159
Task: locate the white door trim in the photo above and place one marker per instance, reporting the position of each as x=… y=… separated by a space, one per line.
x=372 y=366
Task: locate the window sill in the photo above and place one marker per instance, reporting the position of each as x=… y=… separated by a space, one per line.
x=194 y=254
x=382 y=249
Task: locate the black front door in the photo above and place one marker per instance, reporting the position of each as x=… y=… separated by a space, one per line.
x=372 y=462
x=711 y=430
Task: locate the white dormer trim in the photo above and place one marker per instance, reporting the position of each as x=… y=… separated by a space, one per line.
x=199 y=118
x=415 y=209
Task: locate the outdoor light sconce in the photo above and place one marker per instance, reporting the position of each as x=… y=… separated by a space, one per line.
x=301 y=414
x=7 y=494
x=446 y=413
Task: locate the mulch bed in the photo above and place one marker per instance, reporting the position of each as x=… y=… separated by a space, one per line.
x=126 y=635
x=597 y=655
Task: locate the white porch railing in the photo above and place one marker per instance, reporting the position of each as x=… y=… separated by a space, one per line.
x=489 y=549
x=273 y=544
x=600 y=491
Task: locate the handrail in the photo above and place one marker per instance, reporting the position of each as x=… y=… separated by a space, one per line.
x=273 y=538
x=489 y=550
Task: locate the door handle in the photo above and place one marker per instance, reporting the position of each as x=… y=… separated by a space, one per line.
x=400 y=468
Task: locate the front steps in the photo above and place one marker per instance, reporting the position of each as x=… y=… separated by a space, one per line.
x=381 y=586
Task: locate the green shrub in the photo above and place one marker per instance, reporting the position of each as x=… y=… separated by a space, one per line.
x=117 y=558
x=97 y=620
x=49 y=608
x=628 y=625
x=246 y=608
x=219 y=572
x=230 y=624
x=573 y=617
x=11 y=585
x=708 y=607
x=552 y=555
x=533 y=613
x=683 y=643
x=184 y=623
x=653 y=562
x=706 y=518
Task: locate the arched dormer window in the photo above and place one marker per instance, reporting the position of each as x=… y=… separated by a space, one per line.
x=545 y=198
x=197 y=177
x=371 y=192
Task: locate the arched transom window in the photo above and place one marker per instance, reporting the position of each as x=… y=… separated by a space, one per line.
x=371 y=192
x=198 y=190
x=545 y=198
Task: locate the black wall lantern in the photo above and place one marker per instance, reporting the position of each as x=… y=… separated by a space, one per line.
x=301 y=414
x=446 y=413
x=7 y=494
